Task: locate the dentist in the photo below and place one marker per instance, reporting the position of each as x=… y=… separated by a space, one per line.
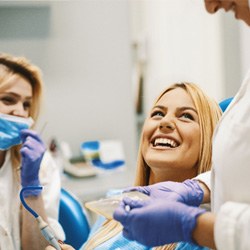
x=168 y=217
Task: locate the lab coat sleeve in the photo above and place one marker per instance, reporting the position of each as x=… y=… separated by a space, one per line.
x=51 y=182
x=232 y=227
x=205 y=178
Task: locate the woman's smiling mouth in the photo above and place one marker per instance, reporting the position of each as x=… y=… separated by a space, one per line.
x=164 y=142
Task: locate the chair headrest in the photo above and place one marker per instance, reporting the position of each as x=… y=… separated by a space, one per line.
x=224 y=104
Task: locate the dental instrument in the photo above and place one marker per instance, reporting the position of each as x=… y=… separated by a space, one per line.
x=43 y=226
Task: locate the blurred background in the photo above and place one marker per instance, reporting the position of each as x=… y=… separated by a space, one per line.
x=105 y=61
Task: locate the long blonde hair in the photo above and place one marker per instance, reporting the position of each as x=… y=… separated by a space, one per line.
x=10 y=67
x=208 y=114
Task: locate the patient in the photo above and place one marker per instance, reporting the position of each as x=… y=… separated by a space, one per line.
x=175 y=146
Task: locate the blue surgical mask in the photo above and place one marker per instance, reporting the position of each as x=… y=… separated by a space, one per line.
x=10 y=128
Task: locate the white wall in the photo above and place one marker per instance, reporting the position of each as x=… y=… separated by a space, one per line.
x=245 y=48
x=83 y=49
x=185 y=43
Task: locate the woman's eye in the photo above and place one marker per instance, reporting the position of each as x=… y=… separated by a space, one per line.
x=187 y=116
x=8 y=100
x=27 y=105
x=157 y=113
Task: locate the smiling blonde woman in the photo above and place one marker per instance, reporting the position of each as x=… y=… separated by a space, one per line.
x=183 y=119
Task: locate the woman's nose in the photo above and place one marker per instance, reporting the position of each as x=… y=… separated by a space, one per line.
x=167 y=124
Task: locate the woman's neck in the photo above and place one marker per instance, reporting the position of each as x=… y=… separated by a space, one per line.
x=2 y=157
x=177 y=175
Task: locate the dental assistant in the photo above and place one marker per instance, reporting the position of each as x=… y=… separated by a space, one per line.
x=167 y=217
x=23 y=159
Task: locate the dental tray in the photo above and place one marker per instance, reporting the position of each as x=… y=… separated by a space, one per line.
x=107 y=206
x=79 y=169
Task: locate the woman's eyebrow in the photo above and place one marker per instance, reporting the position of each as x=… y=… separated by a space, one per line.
x=17 y=95
x=159 y=107
x=188 y=108
x=181 y=108
x=10 y=93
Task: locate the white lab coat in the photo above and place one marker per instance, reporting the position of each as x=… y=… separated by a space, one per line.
x=230 y=176
x=10 y=202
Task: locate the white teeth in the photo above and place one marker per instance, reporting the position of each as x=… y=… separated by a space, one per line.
x=165 y=142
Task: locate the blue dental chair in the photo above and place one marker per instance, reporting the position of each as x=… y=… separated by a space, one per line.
x=73 y=218
x=224 y=104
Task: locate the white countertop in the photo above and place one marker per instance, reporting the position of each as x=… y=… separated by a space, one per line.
x=96 y=187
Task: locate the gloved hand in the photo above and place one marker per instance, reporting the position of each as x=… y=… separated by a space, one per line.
x=32 y=152
x=188 y=192
x=156 y=222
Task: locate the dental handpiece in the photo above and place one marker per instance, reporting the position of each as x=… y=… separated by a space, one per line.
x=43 y=226
x=47 y=233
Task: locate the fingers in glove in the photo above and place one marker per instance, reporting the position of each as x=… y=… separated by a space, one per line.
x=33 y=146
x=120 y=213
x=142 y=189
x=133 y=203
x=25 y=151
x=27 y=132
x=30 y=143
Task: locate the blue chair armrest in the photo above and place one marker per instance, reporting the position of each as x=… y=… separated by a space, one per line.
x=73 y=218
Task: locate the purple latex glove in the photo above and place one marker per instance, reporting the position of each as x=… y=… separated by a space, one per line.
x=188 y=192
x=155 y=222
x=32 y=152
